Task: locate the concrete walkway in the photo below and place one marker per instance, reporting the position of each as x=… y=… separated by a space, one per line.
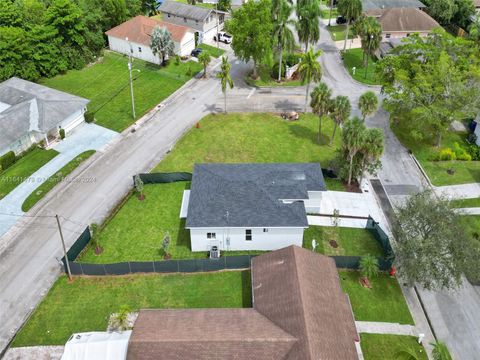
x=35 y=352
x=469 y=211
x=463 y=191
x=85 y=137
x=371 y=327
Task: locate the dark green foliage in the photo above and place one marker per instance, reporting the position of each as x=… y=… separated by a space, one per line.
x=89 y=117
x=61 y=133
x=224 y=5
x=7 y=160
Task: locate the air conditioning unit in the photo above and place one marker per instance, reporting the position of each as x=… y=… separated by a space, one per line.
x=214 y=252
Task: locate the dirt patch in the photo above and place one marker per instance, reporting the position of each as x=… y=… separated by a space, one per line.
x=333 y=244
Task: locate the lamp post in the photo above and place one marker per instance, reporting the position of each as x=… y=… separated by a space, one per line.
x=216 y=15
x=131 y=79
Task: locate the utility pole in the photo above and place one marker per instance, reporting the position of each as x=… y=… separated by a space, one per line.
x=131 y=79
x=64 y=249
x=331 y=10
x=216 y=14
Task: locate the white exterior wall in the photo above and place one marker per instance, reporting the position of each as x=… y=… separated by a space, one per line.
x=73 y=121
x=275 y=238
x=402 y=34
x=312 y=205
x=206 y=30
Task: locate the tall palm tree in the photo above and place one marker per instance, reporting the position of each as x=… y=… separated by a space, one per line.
x=370 y=36
x=372 y=148
x=204 y=58
x=309 y=70
x=353 y=136
x=350 y=9
x=368 y=103
x=308 y=28
x=320 y=104
x=282 y=33
x=225 y=78
x=340 y=111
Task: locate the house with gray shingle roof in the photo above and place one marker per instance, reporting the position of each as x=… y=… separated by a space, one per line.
x=251 y=206
x=204 y=22
x=390 y=4
x=30 y=113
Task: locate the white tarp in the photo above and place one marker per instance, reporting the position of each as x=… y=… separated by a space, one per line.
x=185 y=201
x=97 y=346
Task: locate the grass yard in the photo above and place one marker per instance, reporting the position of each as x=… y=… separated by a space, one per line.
x=86 y=304
x=208 y=6
x=59 y=176
x=106 y=84
x=471 y=225
x=466 y=203
x=350 y=241
x=24 y=168
x=354 y=58
x=386 y=347
x=325 y=13
x=212 y=50
x=383 y=302
x=338 y=32
x=425 y=152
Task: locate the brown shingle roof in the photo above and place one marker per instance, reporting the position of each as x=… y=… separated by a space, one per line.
x=300 y=291
x=207 y=334
x=140 y=28
x=404 y=20
x=299 y=313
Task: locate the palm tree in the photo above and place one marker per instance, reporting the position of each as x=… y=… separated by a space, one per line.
x=353 y=138
x=370 y=36
x=282 y=33
x=340 y=111
x=204 y=58
x=225 y=78
x=350 y=9
x=372 y=148
x=369 y=266
x=309 y=70
x=162 y=43
x=320 y=103
x=440 y=351
x=368 y=104
x=308 y=29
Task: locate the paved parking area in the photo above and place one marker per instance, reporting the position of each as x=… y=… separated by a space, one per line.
x=85 y=137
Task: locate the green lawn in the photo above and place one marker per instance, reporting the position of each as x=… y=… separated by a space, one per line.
x=265 y=79
x=383 y=302
x=350 y=241
x=354 y=58
x=426 y=151
x=386 y=347
x=466 y=203
x=208 y=6
x=325 y=14
x=86 y=304
x=338 y=32
x=106 y=84
x=23 y=168
x=471 y=225
x=212 y=50
x=53 y=180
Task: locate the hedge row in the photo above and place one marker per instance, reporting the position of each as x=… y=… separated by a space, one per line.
x=7 y=160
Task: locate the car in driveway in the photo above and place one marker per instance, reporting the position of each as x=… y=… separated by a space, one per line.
x=223 y=37
x=195 y=52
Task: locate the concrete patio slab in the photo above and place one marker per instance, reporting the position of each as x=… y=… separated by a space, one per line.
x=463 y=191
x=371 y=327
x=35 y=352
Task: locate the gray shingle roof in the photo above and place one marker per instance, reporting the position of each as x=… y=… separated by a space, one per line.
x=30 y=107
x=184 y=10
x=389 y=4
x=251 y=194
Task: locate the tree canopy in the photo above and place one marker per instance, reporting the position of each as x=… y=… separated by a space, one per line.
x=431 y=82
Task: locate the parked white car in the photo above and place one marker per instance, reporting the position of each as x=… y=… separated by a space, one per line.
x=223 y=37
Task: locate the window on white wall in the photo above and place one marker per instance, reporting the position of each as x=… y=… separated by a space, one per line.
x=139 y=49
x=248 y=235
x=211 y=235
x=265 y=230
x=388 y=36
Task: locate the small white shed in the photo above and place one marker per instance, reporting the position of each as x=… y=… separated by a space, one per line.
x=97 y=346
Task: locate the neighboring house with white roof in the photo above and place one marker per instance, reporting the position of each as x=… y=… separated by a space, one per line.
x=30 y=113
x=251 y=206
x=134 y=37
x=205 y=22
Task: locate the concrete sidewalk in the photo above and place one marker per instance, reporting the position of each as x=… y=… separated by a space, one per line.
x=35 y=352
x=371 y=327
x=468 y=211
x=463 y=191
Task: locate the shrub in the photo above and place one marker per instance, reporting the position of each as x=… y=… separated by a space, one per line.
x=61 y=132
x=474 y=151
x=177 y=60
x=446 y=154
x=7 y=160
x=89 y=117
x=472 y=138
x=460 y=153
x=189 y=71
x=369 y=266
x=292 y=59
x=274 y=73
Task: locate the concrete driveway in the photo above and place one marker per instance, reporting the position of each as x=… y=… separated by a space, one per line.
x=85 y=137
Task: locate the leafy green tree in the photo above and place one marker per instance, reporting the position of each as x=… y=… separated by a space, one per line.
x=225 y=78
x=204 y=58
x=368 y=104
x=192 y=2
x=440 y=351
x=441 y=10
x=162 y=43
x=431 y=247
x=149 y=7
x=10 y=13
x=252 y=29
x=474 y=30
x=369 y=266
x=134 y=7
x=320 y=104
x=370 y=36
x=282 y=34
x=340 y=110
x=353 y=139
x=431 y=91
x=464 y=10
x=224 y=5
x=371 y=151
x=67 y=18
x=349 y=9
x=309 y=70
x=308 y=29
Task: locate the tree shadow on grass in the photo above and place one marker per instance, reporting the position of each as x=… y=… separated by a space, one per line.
x=306 y=133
